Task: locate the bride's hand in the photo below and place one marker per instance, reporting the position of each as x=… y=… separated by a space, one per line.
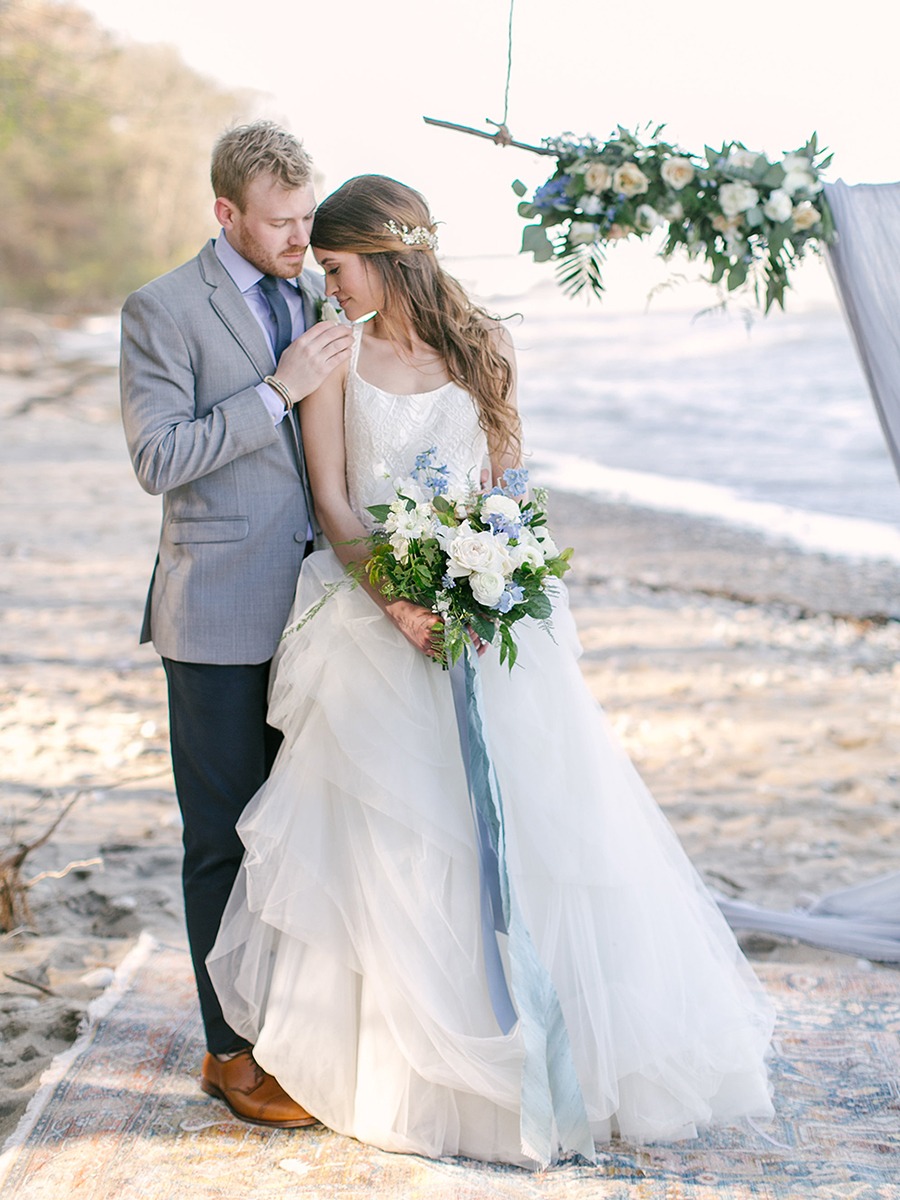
x=416 y=623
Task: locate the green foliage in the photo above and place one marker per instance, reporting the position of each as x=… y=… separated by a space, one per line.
x=104 y=153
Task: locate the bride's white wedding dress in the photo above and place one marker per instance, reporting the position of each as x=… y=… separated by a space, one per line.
x=351 y=953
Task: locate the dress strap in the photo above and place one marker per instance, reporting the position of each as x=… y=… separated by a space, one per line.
x=357 y=342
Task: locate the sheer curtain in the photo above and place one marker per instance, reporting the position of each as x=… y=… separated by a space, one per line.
x=865 y=267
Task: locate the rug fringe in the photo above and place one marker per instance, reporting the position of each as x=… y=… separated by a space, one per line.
x=98 y=1008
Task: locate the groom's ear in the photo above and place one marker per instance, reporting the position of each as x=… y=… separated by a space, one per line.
x=225 y=210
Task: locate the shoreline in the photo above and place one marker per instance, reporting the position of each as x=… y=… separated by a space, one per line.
x=753 y=683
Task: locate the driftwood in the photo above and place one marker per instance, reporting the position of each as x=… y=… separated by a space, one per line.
x=14 y=909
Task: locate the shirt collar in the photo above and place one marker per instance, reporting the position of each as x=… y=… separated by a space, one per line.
x=244 y=274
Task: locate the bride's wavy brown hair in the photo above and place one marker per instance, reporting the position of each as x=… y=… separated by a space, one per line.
x=422 y=294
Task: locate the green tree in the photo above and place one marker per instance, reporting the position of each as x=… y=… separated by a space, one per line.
x=104 y=153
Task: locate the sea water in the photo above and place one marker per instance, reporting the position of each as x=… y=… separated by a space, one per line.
x=766 y=422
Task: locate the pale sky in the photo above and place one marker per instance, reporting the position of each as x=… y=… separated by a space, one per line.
x=353 y=78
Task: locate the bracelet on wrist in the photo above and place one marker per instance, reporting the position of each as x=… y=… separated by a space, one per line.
x=277 y=385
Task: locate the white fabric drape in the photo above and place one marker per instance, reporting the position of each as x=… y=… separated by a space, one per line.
x=865 y=267
x=863 y=920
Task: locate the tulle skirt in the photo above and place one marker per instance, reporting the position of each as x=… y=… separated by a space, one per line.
x=350 y=953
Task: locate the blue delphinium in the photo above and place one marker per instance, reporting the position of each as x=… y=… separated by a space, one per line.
x=430 y=475
x=511 y=594
x=515 y=481
x=552 y=194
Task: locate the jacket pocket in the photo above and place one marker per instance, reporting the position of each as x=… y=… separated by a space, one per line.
x=207 y=529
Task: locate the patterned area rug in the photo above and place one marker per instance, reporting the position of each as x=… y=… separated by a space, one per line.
x=125 y=1120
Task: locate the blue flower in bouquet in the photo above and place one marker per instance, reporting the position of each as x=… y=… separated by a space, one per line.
x=430 y=475
x=515 y=481
x=512 y=594
x=552 y=194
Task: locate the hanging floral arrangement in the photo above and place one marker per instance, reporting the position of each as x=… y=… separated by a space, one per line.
x=750 y=218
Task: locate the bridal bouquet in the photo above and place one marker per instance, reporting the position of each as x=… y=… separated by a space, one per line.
x=479 y=561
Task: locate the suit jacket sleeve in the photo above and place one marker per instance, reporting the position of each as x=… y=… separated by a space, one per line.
x=170 y=442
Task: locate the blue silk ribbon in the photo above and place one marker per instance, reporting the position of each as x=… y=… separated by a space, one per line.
x=552 y=1109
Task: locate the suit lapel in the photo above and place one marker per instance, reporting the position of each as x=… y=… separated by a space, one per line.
x=234 y=312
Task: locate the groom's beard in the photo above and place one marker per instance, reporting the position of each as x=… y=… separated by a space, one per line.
x=286 y=263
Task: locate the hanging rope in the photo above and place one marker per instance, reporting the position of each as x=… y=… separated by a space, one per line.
x=502 y=136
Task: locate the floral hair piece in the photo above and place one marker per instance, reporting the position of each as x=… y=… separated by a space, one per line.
x=419 y=236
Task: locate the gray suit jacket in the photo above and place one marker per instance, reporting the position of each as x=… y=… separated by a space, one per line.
x=236 y=504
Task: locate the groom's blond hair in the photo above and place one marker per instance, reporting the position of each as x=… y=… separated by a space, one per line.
x=247 y=151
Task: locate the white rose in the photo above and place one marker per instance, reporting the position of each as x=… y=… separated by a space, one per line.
x=737 y=197
x=799 y=175
x=677 y=173
x=744 y=160
x=522 y=554
x=591 y=205
x=597 y=177
x=647 y=217
x=778 y=206
x=503 y=506
x=582 y=231
x=487 y=587
x=804 y=216
x=546 y=542
x=473 y=552
x=630 y=180
x=675 y=211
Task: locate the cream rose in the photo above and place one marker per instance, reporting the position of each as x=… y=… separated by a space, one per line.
x=630 y=180
x=597 y=177
x=470 y=552
x=805 y=216
x=487 y=587
x=582 y=232
x=737 y=197
x=778 y=206
x=677 y=173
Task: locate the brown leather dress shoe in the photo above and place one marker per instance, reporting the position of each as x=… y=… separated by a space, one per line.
x=250 y=1093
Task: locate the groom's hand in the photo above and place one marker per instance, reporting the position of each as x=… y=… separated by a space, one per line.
x=310 y=358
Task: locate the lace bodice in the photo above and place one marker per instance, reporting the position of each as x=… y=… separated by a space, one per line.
x=384 y=432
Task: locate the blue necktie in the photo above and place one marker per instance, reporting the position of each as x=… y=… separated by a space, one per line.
x=281 y=314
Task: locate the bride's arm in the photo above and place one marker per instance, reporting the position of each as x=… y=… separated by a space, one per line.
x=322 y=424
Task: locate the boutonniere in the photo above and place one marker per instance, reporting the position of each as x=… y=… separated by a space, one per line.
x=326 y=311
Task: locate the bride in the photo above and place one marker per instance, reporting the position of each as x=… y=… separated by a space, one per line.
x=351 y=953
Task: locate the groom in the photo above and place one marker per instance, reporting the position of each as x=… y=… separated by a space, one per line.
x=215 y=355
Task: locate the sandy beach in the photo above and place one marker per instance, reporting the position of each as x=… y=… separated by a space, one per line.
x=755 y=686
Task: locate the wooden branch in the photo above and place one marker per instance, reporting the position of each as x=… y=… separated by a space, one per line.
x=72 y=866
x=500 y=138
